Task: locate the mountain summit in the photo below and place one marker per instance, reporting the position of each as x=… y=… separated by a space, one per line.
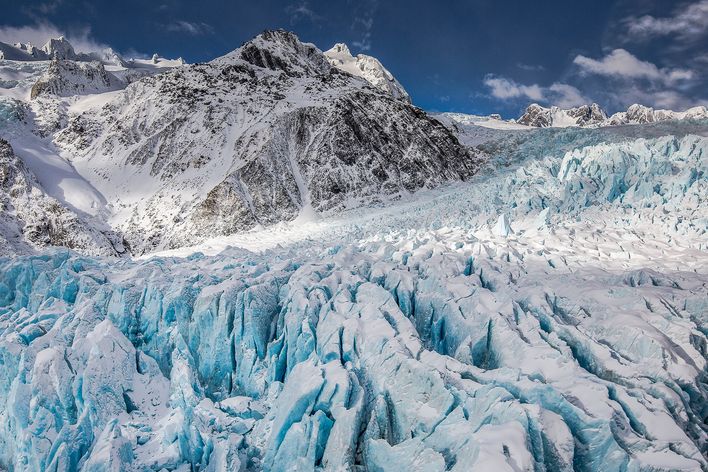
x=367 y=67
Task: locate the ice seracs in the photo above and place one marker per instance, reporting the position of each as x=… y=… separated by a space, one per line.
x=366 y=67
x=502 y=228
x=406 y=336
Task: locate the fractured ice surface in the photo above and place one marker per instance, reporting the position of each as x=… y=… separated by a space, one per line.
x=423 y=343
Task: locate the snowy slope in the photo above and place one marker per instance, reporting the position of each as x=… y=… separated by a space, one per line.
x=31 y=218
x=416 y=337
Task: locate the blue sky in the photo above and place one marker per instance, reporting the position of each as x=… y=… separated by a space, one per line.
x=474 y=56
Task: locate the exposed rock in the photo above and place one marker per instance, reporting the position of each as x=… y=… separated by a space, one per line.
x=282 y=50
x=59 y=48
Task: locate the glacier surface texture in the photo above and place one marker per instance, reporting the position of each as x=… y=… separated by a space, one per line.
x=549 y=316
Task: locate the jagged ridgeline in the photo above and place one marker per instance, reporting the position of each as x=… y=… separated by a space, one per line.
x=252 y=138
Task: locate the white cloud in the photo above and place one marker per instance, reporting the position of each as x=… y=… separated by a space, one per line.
x=367 y=24
x=559 y=94
x=628 y=94
x=505 y=89
x=567 y=96
x=40 y=33
x=621 y=63
x=690 y=21
x=48 y=7
x=35 y=34
x=193 y=28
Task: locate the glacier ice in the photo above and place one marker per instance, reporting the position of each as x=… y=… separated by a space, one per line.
x=503 y=228
x=410 y=340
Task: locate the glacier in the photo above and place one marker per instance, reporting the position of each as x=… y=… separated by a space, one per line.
x=414 y=337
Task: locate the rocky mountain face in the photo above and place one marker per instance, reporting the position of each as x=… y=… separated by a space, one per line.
x=32 y=219
x=251 y=139
x=367 y=67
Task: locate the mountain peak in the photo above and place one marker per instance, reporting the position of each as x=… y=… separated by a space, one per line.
x=339 y=48
x=367 y=67
x=282 y=50
x=59 y=48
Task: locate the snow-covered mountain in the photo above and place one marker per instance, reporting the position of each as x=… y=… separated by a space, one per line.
x=593 y=116
x=67 y=78
x=55 y=48
x=541 y=117
x=258 y=136
x=343 y=281
x=639 y=114
x=253 y=138
x=367 y=67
